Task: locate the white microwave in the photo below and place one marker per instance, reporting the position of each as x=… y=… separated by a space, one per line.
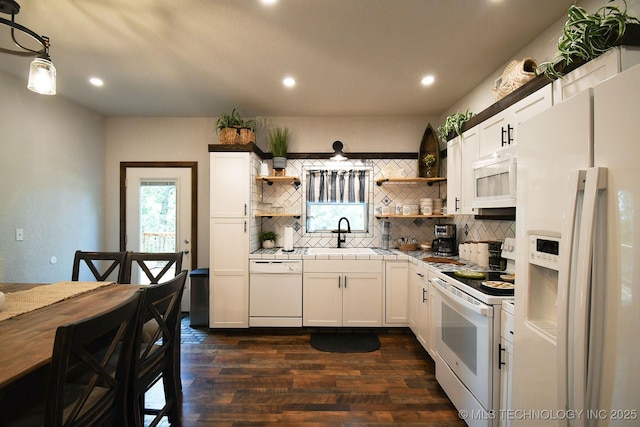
x=494 y=180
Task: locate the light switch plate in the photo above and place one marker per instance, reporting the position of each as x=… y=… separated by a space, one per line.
x=19 y=234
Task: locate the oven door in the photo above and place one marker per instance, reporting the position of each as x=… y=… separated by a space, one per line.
x=464 y=338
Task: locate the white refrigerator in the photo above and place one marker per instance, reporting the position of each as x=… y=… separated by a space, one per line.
x=577 y=308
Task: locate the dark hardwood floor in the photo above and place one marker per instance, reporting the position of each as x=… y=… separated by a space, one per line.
x=275 y=377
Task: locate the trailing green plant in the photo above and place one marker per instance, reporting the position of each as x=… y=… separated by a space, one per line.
x=234 y=120
x=453 y=123
x=267 y=235
x=279 y=141
x=586 y=36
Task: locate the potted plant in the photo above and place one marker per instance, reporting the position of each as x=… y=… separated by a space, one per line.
x=233 y=129
x=429 y=160
x=268 y=239
x=585 y=37
x=453 y=123
x=279 y=144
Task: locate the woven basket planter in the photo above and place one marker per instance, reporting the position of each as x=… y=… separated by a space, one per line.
x=247 y=136
x=236 y=136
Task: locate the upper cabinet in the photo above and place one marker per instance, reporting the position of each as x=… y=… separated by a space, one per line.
x=462 y=151
x=593 y=72
x=499 y=131
x=230 y=184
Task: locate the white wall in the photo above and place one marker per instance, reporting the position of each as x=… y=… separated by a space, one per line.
x=358 y=134
x=52 y=182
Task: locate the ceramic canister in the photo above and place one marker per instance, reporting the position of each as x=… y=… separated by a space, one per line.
x=483 y=254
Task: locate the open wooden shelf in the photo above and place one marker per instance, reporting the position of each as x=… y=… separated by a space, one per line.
x=413 y=216
x=279 y=179
x=278 y=215
x=428 y=181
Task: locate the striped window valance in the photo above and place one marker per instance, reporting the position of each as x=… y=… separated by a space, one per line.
x=337 y=186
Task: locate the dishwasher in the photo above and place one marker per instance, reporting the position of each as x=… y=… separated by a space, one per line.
x=275 y=293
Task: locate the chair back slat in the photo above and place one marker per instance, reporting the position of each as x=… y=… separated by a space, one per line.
x=155 y=265
x=103 y=266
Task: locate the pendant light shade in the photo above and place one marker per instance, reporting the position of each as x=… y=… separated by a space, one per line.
x=26 y=42
x=42 y=77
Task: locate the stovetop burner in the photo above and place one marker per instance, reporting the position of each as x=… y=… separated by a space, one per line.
x=477 y=283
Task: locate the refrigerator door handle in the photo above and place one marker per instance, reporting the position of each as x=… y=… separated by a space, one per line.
x=567 y=249
x=596 y=180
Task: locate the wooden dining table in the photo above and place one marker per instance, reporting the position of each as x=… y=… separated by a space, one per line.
x=26 y=340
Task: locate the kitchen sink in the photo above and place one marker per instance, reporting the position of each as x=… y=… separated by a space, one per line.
x=340 y=251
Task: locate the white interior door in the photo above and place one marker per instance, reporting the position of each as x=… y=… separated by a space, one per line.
x=158 y=214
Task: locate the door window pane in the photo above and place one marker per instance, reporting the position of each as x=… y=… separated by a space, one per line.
x=158 y=216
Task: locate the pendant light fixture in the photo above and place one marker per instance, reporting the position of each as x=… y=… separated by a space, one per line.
x=42 y=73
x=338 y=155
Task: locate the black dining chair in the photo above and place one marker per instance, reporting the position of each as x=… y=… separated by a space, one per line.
x=159 y=353
x=90 y=371
x=103 y=266
x=157 y=266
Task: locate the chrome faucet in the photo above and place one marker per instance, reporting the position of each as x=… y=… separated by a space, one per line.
x=343 y=238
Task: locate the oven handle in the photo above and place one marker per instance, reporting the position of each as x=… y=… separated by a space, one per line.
x=481 y=308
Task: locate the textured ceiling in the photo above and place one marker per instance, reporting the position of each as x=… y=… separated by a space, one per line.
x=349 y=57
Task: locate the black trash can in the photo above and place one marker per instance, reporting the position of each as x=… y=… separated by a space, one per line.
x=199 y=302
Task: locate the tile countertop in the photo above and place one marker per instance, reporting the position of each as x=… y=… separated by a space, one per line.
x=383 y=254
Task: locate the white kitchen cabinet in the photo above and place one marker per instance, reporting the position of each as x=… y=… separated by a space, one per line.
x=228 y=273
x=396 y=274
x=229 y=240
x=431 y=326
x=454 y=176
x=462 y=151
x=230 y=184
x=469 y=146
x=595 y=71
x=500 y=130
x=413 y=299
x=506 y=364
x=342 y=293
x=422 y=293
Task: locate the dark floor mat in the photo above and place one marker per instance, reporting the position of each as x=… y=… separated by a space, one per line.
x=345 y=342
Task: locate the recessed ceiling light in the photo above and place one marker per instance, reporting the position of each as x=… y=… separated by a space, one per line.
x=427 y=80
x=289 y=82
x=96 y=81
x=268 y=2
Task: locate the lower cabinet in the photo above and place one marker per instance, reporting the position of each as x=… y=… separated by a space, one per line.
x=396 y=275
x=506 y=364
x=423 y=319
x=229 y=273
x=351 y=296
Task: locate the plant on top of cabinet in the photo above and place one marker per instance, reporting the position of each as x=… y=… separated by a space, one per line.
x=279 y=144
x=233 y=129
x=453 y=123
x=585 y=37
x=268 y=239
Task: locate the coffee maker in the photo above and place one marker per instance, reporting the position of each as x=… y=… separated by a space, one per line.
x=445 y=242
